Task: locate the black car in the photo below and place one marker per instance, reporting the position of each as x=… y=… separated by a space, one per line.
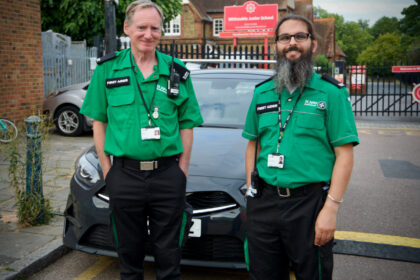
x=216 y=182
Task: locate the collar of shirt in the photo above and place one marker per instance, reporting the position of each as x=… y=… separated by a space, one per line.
x=162 y=68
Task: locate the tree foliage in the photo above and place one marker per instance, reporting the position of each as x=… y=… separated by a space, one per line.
x=81 y=19
x=385 y=49
x=352 y=37
x=385 y=25
x=410 y=23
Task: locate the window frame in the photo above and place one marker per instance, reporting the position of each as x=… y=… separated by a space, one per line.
x=216 y=23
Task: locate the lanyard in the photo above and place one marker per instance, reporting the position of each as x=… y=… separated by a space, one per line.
x=282 y=129
x=148 y=110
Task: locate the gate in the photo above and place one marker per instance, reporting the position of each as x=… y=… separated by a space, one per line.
x=65 y=62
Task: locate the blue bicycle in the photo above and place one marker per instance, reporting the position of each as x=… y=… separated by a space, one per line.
x=8 y=131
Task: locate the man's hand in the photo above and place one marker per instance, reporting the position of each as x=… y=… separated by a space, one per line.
x=325 y=224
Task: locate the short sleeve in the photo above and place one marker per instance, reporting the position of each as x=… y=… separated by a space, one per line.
x=189 y=115
x=95 y=103
x=340 y=119
x=250 y=131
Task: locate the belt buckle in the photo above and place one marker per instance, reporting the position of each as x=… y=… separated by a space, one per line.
x=283 y=195
x=148 y=165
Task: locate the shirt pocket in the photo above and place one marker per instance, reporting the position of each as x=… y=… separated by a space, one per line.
x=310 y=122
x=120 y=97
x=312 y=126
x=121 y=106
x=267 y=120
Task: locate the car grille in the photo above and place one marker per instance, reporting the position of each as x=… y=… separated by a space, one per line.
x=208 y=248
x=210 y=200
x=214 y=248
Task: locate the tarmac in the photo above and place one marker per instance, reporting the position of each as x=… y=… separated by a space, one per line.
x=26 y=250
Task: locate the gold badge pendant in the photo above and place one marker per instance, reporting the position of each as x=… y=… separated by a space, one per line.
x=155 y=114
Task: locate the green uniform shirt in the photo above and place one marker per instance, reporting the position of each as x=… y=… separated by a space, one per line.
x=118 y=103
x=322 y=119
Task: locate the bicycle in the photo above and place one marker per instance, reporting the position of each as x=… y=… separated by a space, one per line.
x=8 y=131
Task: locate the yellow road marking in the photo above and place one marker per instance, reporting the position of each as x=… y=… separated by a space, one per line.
x=96 y=268
x=378 y=238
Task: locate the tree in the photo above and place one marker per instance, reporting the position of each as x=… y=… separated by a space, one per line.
x=410 y=23
x=352 y=37
x=385 y=49
x=385 y=25
x=81 y=19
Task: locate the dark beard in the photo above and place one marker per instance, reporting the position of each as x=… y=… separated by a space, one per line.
x=291 y=74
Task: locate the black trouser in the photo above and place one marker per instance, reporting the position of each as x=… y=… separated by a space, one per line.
x=158 y=195
x=281 y=231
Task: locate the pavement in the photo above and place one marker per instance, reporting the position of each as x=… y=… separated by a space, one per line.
x=26 y=250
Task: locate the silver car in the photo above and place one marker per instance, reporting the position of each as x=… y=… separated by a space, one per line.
x=63 y=107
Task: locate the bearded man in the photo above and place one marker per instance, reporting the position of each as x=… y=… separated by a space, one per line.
x=301 y=131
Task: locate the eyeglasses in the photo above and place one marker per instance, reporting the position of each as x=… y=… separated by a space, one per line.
x=299 y=37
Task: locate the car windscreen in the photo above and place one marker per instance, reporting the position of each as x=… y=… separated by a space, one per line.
x=224 y=101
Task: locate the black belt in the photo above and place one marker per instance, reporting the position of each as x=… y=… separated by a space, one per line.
x=288 y=192
x=146 y=165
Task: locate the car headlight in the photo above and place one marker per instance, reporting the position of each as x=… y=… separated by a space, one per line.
x=86 y=172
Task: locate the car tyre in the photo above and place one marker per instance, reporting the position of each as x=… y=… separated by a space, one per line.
x=69 y=121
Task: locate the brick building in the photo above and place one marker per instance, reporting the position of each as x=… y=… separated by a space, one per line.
x=201 y=21
x=21 y=84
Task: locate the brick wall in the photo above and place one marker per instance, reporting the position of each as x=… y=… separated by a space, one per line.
x=21 y=85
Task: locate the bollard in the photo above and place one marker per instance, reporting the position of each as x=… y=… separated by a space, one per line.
x=34 y=160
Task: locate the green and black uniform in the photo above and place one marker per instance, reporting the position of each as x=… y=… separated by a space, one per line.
x=281 y=221
x=145 y=182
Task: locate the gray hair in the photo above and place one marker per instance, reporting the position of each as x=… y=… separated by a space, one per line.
x=142 y=4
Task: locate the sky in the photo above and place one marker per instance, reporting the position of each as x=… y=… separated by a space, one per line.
x=372 y=10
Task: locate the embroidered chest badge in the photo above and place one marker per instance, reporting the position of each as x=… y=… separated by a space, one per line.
x=322 y=105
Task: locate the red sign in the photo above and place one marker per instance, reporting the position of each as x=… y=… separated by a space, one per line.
x=416 y=93
x=406 y=69
x=357 y=69
x=246 y=34
x=250 y=16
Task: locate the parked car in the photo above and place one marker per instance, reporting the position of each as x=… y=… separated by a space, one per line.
x=215 y=186
x=63 y=107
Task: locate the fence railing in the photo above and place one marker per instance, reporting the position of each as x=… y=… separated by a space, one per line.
x=374 y=89
x=64 y=62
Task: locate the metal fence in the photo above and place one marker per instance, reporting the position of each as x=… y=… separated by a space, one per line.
x=374 y=89
x=65 y=62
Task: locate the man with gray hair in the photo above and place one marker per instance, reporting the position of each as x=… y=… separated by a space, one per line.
x=301 y=130
x=144 y=110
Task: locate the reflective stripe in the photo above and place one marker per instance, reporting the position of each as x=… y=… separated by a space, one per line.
x=246 y=251
x=319 y=264
x=182 y=230
x=114 y=229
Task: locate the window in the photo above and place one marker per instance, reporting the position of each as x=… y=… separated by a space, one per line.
x=173 y=27
x=217 y=26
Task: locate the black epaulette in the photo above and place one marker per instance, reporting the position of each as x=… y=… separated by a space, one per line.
x=333 y=81
x=106 y=58
x=183 y=72
x=263 y=82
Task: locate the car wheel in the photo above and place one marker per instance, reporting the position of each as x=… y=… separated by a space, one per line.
x=69 y=121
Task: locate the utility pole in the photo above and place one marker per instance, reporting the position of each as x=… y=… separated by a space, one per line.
x=110 y=26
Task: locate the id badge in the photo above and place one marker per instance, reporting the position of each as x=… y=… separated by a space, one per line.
x=150 y=133
x=275 y=160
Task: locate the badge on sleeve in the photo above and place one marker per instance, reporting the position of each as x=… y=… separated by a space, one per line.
x=150 y=133
x=275 y=160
